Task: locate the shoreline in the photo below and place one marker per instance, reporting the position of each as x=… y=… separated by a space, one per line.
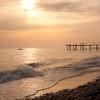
x=67 y=83
x=88 y=91
x=70 y=83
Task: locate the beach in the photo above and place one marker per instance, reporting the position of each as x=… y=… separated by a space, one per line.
x=89 y=91
x=71 y=83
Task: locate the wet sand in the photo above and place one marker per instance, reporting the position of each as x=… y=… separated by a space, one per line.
x=71 y=83
x=88 y=91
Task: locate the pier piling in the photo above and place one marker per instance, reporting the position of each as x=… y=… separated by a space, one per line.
x=82 y=47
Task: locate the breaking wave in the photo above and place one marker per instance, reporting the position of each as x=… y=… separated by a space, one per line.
x=54 y=74
x=23 y=72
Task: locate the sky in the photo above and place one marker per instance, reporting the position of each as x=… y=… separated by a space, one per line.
x=48 y=23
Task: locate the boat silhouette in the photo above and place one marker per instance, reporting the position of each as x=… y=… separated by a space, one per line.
x=20 y=49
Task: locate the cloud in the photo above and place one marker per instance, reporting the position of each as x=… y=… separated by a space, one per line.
x=15 y=24
x=79 y=6
x=12 y=18
x=6 y=3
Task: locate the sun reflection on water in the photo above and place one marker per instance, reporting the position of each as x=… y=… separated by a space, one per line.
x=30 y=55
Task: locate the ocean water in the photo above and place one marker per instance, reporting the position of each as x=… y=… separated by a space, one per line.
x=25 y=72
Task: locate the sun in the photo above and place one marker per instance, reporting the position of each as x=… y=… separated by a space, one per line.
x=28 y=4
x=30 y=8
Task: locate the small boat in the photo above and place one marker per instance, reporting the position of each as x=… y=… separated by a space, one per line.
x=20 y=49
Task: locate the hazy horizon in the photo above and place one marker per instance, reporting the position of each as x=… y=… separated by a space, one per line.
x=48 y=23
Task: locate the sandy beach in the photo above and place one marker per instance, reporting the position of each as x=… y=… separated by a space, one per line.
x=70 y=83
x=88 y=91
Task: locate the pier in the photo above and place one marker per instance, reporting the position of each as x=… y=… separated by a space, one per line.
x=83 y=47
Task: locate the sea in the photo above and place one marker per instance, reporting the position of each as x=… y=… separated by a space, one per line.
x=25 y=72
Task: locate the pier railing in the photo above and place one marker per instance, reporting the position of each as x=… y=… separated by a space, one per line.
x=83 y=47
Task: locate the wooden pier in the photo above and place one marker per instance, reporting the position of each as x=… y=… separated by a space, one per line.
x=82 y=47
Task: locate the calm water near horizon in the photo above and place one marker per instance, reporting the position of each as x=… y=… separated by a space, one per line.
x=23 y=72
